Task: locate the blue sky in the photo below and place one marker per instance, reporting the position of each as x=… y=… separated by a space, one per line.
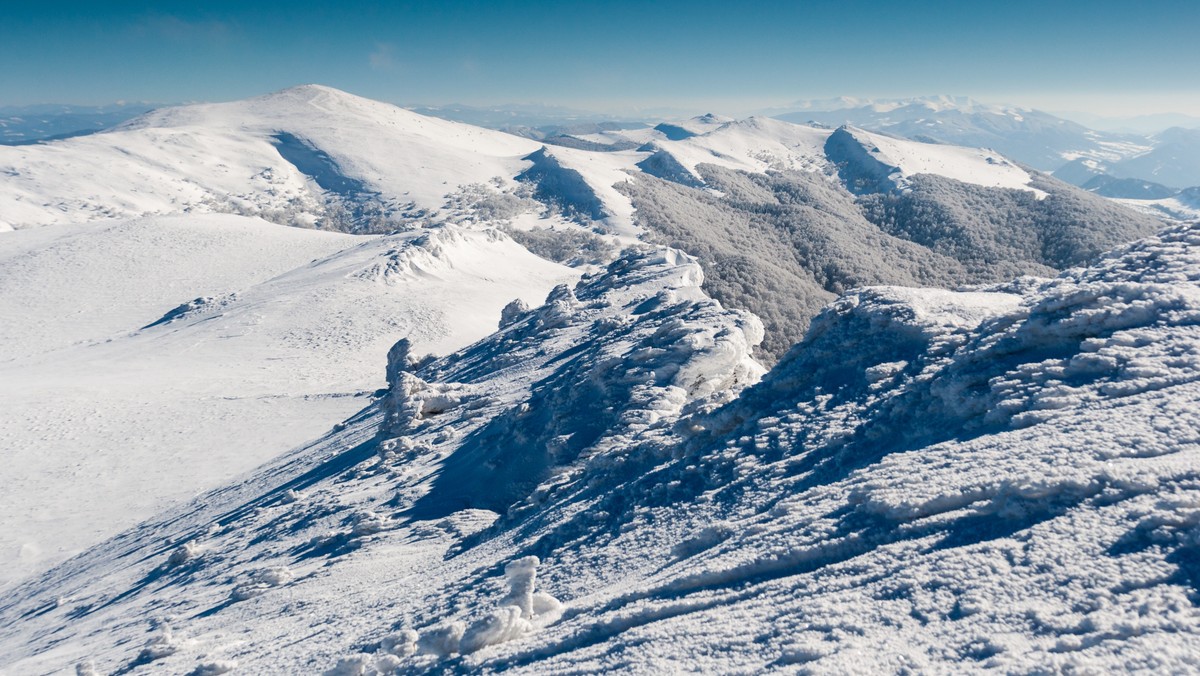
x=1108 y=57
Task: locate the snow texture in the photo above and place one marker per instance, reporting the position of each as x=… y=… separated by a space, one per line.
x=997 y=478
x=179 y=397
x=1001 y=476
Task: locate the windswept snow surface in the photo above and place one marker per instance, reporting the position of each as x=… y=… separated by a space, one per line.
x=144 y=361
x=998 y=478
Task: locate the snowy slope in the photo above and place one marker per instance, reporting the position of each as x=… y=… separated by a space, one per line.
x=223 y=156
x=290 y=155
x=195 y=348
x=1000 y=478
x=1183 y=206
x=969 y=165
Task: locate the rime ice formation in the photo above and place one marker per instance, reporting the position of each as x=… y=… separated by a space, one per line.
x=1002 y=477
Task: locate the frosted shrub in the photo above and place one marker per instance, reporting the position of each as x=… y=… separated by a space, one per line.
x=443 y=640
x=522 y=576
x=521 y=611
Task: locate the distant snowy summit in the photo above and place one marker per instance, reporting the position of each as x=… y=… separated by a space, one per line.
x=939 y=103
x=1074 y=153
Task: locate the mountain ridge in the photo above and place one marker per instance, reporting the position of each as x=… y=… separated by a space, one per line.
x=1061 y=466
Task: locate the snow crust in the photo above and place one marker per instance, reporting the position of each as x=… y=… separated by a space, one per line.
x=998 y=478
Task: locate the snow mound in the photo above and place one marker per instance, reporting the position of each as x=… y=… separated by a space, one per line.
x=644 y=343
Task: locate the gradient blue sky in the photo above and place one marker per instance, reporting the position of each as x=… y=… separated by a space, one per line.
x=1107 y=57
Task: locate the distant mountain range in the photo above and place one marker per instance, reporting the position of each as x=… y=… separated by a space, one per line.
x=31 y=124
x=1113 y=164
x=1164 y=159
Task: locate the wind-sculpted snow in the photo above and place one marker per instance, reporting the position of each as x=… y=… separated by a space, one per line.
x=458 y=443
x=613 y=361
x=193 y=349
x=997 y=478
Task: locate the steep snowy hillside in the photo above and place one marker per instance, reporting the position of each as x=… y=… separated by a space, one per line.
x=1002 y=478
x=192 y=349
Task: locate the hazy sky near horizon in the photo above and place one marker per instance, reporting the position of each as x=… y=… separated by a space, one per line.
x=1098 y=56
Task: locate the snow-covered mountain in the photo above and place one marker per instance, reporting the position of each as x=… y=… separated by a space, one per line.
x=1031 y=137
x=757 y=200
x=1001 y=477
x=1074 y=153
x=193 y=349
x=163 y=335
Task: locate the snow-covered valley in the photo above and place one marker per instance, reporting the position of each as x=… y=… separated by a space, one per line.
x=672 y=400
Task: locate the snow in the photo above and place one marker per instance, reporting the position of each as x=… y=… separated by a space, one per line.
x=603 y=171
x=978 y=166
x=295 y=345
x=201 y=157
x=993 y=478
x=280 y=450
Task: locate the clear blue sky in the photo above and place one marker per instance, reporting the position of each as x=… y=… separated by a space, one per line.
x=729 y=56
